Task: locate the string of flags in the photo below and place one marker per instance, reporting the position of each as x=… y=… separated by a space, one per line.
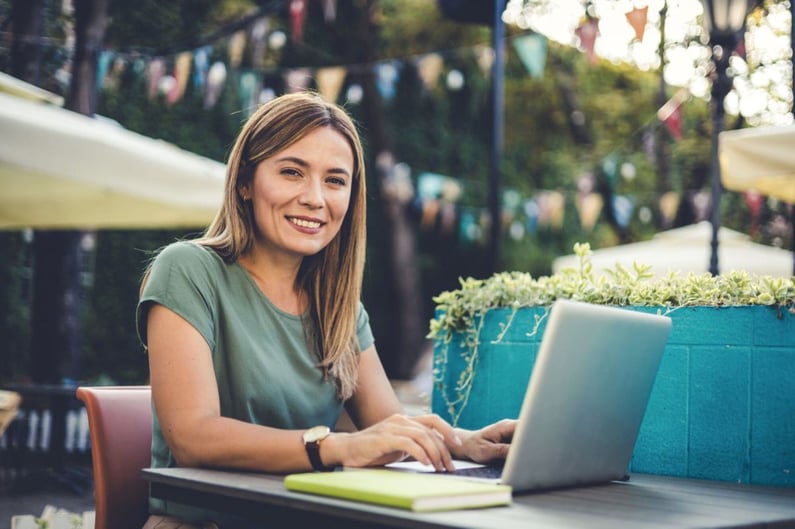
x=243 y=60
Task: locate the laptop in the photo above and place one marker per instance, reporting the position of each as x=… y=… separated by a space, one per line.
x=584 y=402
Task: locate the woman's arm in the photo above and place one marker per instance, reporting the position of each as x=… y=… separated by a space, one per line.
x=185 y=395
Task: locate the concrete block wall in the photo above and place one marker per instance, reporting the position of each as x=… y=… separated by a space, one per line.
x=723 y=403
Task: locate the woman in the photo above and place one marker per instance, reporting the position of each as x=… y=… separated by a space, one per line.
x=255 y=332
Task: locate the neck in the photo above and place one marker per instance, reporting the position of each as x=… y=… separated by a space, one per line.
x=277 y=281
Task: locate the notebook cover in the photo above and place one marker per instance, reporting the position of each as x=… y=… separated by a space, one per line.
x=404 y=490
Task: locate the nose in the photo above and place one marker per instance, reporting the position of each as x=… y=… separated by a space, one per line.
x=312 y=193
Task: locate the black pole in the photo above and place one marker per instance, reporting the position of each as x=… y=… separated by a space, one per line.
x=721 y=85
x=498 y=73
x=792 y=59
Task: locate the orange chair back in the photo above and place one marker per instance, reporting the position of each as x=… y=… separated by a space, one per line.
x=120 y=428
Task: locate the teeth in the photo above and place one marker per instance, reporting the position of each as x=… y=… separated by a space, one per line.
x=305 y=223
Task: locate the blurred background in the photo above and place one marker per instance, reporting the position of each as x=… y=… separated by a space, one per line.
x=493 y=143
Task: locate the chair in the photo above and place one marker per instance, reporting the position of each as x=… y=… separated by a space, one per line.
x=120 y=429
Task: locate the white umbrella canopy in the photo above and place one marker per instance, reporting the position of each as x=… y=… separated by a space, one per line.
x=759 y=159
x=685 y=250
x=62 y=170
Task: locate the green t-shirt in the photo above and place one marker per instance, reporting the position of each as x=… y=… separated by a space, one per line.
x=266 y=374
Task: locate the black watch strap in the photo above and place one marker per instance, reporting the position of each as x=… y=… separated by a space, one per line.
x=313 y=451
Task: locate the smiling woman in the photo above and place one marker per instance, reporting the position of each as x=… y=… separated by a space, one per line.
x=255 y=332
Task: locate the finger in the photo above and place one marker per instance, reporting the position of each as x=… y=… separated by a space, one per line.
x=432 y=443
x=443 y=427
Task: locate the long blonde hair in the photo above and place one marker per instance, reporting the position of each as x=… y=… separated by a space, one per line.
x=332 y=278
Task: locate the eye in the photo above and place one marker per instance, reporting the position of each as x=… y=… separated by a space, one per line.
x=289 y=171
x=337 y=180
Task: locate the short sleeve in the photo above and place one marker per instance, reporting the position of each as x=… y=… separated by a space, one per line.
x=181 y=279
x=364 y=333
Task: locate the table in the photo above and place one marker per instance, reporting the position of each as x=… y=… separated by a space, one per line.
x=643 y=501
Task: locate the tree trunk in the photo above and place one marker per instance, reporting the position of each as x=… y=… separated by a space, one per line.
x=58 y=257
x=399 y=358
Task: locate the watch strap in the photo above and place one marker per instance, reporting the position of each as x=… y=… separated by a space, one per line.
x=313 y=451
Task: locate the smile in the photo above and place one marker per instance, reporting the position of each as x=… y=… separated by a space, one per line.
x=303 y=223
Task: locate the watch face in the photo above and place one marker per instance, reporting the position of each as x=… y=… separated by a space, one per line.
x=316 y=433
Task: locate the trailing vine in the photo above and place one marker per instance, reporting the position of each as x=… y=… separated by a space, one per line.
x=460 y=314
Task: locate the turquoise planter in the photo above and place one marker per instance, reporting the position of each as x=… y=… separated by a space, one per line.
x=722 y=407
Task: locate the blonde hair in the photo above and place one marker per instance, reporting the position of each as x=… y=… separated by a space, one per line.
x=332 y=278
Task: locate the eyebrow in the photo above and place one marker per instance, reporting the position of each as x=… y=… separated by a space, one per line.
x=303 y=163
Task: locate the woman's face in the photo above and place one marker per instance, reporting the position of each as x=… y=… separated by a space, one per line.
x=300 y=195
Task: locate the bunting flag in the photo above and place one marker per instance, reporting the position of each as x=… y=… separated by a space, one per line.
x=237 y=45
x=587 y=33
x=181 y=74
x=429 y=68
x=668 y=204
x=589 y=206
x=259 y=42
x=637 y=19
x=297 y=15
x=155 y=72
x=249 y=87
x=216 y=78
x=201 y=65
x=700 y=201
x=103 y=65
x=297 y=79
x=623 y=208
x=670 y=113
x=329 y=10
x=485 y=59
x=386 y=77
x=329 y=82
x=754 y=201
x=532 y=50
x=674 y=123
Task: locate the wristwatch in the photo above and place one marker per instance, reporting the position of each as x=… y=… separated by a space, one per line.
x=312 y=438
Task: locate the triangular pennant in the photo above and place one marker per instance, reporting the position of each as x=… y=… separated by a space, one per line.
x=249 y=87
x=637 y=19
x=297 y=14
x=386 y=77
x=623 y=208
x=674 y=123
x=329 y=10
x=587 y=33
x=669 y=204
x=216 y=77
x=589 y=206
x=485 y=58
x=329 y=82
x=201 y=64
x=259 y=41
x=155 y=72
x=297 y=79
x=429 y=68
x=532 y=50
x=236 y=47
x=103 y=65
x=181 y=75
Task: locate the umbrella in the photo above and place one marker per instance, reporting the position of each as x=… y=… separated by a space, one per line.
x=759 y=159
x=62 y=170
x=686 y=250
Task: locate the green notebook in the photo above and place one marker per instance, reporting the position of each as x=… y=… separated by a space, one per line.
x=405 y=490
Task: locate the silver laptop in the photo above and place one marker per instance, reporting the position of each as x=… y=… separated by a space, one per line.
x=585 y=400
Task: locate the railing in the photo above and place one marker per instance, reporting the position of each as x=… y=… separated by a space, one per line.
x=47 y=444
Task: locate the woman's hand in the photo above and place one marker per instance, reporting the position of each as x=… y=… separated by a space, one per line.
x=489 y=443
x=425 y=438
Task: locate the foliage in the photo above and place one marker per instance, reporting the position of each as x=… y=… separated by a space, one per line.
x=458 y=310
x=461 y=313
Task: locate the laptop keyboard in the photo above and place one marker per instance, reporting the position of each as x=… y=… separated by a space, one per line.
x=487 y=472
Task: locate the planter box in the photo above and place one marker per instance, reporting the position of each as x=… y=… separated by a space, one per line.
x=722 y=407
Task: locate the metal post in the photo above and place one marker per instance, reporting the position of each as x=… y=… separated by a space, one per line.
x=721 y=85
x=498 y=73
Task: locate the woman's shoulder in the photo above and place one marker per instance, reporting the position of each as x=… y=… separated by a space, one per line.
x=187 y=253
